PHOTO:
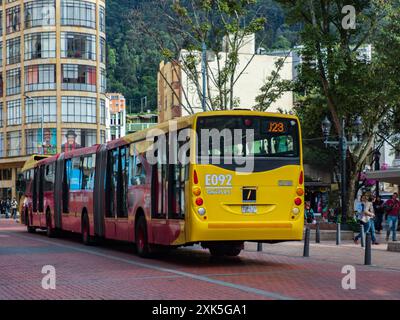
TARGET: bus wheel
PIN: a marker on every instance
(28, 227)
(85, 230)
(233, 251)
(141, 239)
(217, 251)
(50, 231)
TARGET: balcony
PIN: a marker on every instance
(135, 127)
(396, 163)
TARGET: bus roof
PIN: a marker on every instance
(33, 160)
(187, 121)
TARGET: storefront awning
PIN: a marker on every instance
(389, 176)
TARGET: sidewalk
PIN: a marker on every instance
(328, 251)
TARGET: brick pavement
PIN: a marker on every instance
(112, 271)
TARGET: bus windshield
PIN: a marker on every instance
(244, 136)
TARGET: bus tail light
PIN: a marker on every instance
(199, 201)
(298, 202)
(195, 177)
(296, 211)
(300, 192)
(201, 211)
(301, 178)
(196, 191)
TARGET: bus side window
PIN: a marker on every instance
(65, 185)
(88, 171)
(75, 177)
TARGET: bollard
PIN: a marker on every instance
(306, 252)
(259, 247)
(318, 234)
(362, 236)
(368, 250)
(338, 234)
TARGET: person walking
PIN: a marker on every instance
(365, 214)
(8, 207)
(379, 213)
(392, 208)
(14, 205)
(309, 213)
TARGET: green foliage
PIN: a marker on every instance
(133, 56)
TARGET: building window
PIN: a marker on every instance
(1, 52)
(40, 13)
(1, 145)
(73, 139)
(33, 109)
(13, 82)
(1, 84)
(78, 77)
(1, 114)
(78, 46)
(14, 113)
(103, 80)
(14, 50)
(102, 50)
(79, 109)
(36, 145)
(5, 174)
(78, 13)
(40, 45)
(13, 143)
(1, 23)
(102, 112)
(40, 77)
(102, 17)
(13, 19)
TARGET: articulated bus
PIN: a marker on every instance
(178, 184)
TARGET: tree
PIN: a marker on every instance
(216, 23)
(349, 83)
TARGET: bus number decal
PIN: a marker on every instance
(214, 180)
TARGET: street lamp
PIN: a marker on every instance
(42, 119)
(343, 145)
(377, 158)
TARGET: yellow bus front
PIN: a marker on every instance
(247, 183)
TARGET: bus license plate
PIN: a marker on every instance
(249, 209)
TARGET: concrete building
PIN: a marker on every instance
(117, 116)
(142, 121)
(177, 93)
(52, 81)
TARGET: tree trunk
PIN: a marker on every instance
(351, 194)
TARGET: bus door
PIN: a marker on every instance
(75, 190)
(34, 217)
(116, 221)
(42, 216)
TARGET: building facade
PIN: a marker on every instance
(178, 95)
(52, 82)
(116, 109)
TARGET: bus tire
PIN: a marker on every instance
(86, 230)
(141, 238)
(28, 226)
(233, 251)
(217, 251)
(50, 231)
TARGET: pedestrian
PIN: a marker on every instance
(379, 212)
(14, 205)
(365, 215)
(392, 208)
(309, 213)
(8, 207)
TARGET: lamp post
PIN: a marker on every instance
(377, 158)
(41, 123)
(343, 144)
(204, 74)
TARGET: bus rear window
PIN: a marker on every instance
(260, 137)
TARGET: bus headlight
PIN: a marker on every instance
(201, 211)
(296, 211)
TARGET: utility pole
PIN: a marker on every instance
(204, 75)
